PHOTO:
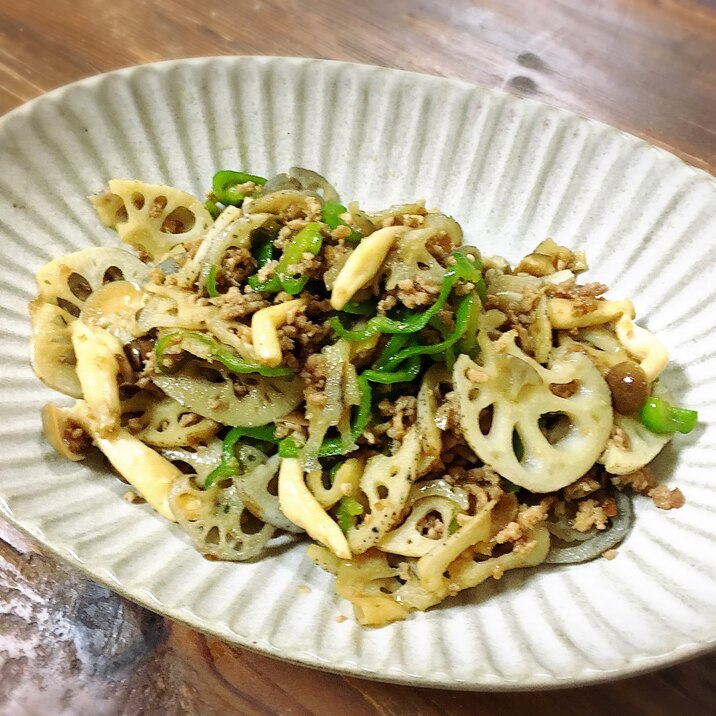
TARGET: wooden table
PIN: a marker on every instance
(646, 66)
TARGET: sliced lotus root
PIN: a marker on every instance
(217, 521)
(63, 287)
(386, 485)
(151, 217)
(508, 403)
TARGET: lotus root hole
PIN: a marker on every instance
(179, 221)
(79, 286)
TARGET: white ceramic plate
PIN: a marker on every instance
(512, 172)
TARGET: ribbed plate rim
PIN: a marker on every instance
(588, 675)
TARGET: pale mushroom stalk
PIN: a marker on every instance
(302, 508)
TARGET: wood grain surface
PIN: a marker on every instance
(68, 646)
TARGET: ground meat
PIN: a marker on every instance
(236, 266)
(237, 304)
(75, 437)
(186, 420)
(581, 488)
(316, 306)
(314, 209)
(564, 390)
(510, 533)
(341, 232)
(294, 425)
(309, 264)
(135, 425)
(620, 438)
(530, 516)
(299, 332)
(386, 304)
(266, 272)
(284, 234)
(666, 499)
(477, 375)
(570, 289)
(296, 225)
(584, 296)
(431, 526)
(413, 293)
(640, 481)
(402, 414)
(440, 246)
(590, 513)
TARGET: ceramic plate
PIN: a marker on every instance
(512, 172)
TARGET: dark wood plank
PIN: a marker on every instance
(646, 66)
(65, 641)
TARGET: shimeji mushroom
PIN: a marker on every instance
(501, 414)
(300, 506)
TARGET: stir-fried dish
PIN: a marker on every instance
(270, 362)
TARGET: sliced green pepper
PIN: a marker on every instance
(211, 282)
(335, 446)
(213, 351)
(348, 509)
(307, 240)
(462, 269)
(462, 319)
(331, 216)
(364, 308)
(660, 417)
(468, 343)
(213, 208)
(229, 465)
(392, 348)
(225, 185)
(263, 251)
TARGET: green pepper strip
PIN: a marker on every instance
(215, 351)
(307, 240)
(213, 208)
(468, 343)
(463, 269)
(229, 465)
(462, 320)
(364, 308)
(331, 216)
(334, 446)
(660, 417)
(348, 509)
(224, 186)
(264, 251)
(211, 282)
